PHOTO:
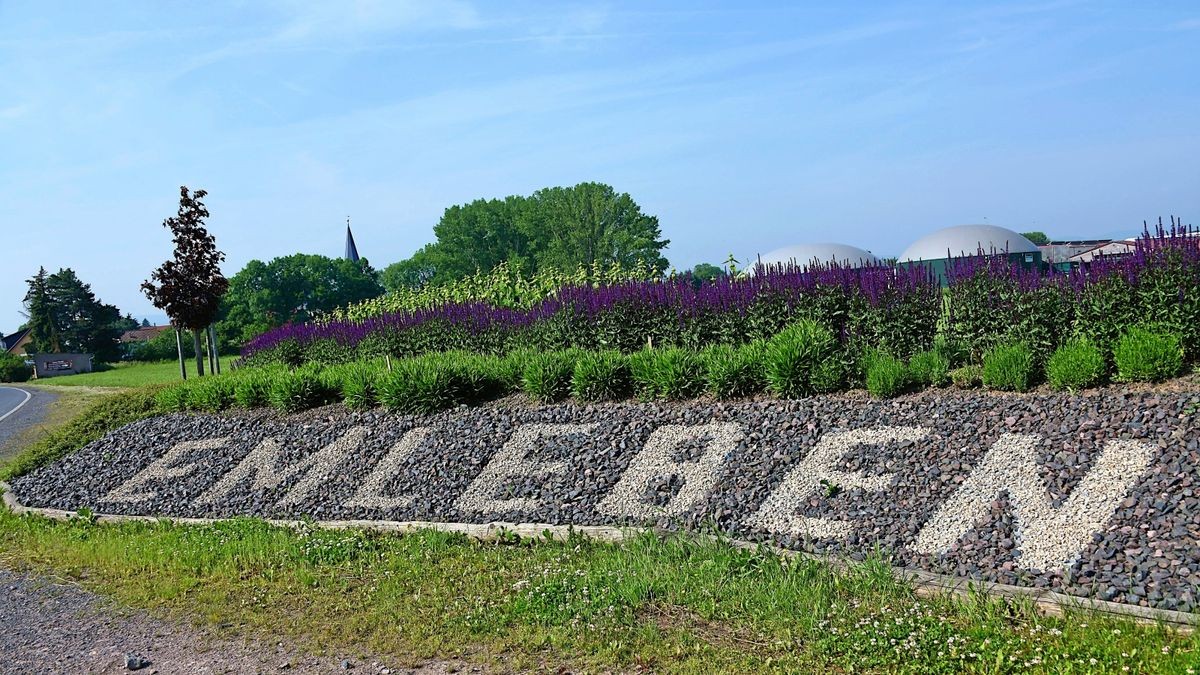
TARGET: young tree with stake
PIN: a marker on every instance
(190, 285)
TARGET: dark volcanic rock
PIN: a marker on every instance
(1147, 552)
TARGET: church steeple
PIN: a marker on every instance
(351, 249)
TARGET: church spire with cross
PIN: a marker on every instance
(351, 249)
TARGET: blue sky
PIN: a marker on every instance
(743, 126)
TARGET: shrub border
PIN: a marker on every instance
(925, 584)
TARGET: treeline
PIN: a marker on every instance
(551, 234)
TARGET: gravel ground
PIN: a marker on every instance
(29, 414)
(1106, 483)
(55, 628)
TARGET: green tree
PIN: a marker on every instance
(66, 317)
(559, 227)
(1038, 238)
(707, 272)
(589, 224)
(479, 236)
(412, 273)
(292, 288)
(39, 310)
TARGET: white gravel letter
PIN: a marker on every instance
(164, 468)
(261, 467)
(778, 512)
(628, 496)
(372, 493)
(511, 461)
(1048, 538)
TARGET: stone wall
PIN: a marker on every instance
(1090, 495)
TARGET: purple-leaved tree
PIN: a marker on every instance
(189, 286)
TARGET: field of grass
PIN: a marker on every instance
(123, 375)
(677, 604)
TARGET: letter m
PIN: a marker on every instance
(1048, 537)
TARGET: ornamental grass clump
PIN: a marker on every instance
(735, 372)
(547, 376)
(602, 376)
(886, 376)
(1145, 355)
(360, 386)
(211, 394)
(1075, 365)
(299, 389)
(252, 389)
(1009, 367)
(421, 386)
(929, 369)
(671, 373)
(174, 398)
(803, 360)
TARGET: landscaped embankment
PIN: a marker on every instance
(1092, 496)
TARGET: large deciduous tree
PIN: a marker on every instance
(560, 227)
(592, 224)
(189, 286)
(293, 288)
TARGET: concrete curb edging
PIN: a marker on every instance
(925, 584)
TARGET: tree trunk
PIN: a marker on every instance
(212, 368)
(199, 354)
(212, 340)
(179, 350)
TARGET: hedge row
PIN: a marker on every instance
(802, 360)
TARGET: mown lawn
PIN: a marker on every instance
(123, 375)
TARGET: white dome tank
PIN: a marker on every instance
(824, 253)
(964, 240)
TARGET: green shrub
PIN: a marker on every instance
(13, 368)
(803, 360)
(1143, 355)
(601, 376)
(886, 376)
(174, 398)
(953, 351)
(967, 377)
(1076, 365)
(211, 394)
(672, 373)
(300, 389)
(360, 386)
(1009, 367)
(929, 369)
(421, 386)
(547, 376)
(735, 372)
(253, 387)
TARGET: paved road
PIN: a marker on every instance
(55, 628)
(20, 411)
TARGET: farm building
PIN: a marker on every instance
(938, 248)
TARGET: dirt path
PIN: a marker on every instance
(48, 627)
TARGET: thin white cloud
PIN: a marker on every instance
(1186, 24)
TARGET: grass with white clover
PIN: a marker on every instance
(672, 604)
